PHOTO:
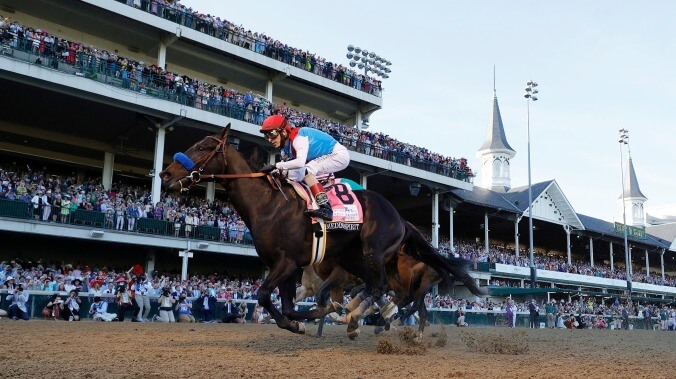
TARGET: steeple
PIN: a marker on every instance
(495, 135)
(495, 153)
(633, 197)
(631, 188)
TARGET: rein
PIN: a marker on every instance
(196, 176)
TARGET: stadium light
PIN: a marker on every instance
(531, 91)
(624, 140)
(369, 61)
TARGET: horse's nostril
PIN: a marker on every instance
(165, 175)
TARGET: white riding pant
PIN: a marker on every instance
(336, 161)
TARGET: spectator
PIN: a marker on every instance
(550, 309)
(99, 310)
(142, 288)
(123, 300)
(52, 309)
(133, 213)
(166, 302)
(184, 308)
(647, 318)
(65, 209)
(460, 320)
(571, 322)
(533, 311)
(207, 303)
(511, 313)
(625, 317)
(18, 308)
(232, 313)
(70, 308)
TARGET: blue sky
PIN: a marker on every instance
(601, 66)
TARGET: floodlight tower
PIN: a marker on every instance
(531, 91)
(370, 62)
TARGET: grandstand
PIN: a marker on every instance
(167, 79)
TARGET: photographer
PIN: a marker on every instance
(166, 301)
(124, 303)
(52, 310)
(18, 308)
(99, 310)
(141, 289)
(70, 308)
(184, 308)
(207, 303)
(232, 313)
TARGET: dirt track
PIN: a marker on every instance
(92, 349)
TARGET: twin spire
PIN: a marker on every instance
(495, 155)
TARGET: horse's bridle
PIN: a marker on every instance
(196, 176)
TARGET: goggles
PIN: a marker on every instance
(272, 134)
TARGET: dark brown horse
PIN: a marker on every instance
(282, 233)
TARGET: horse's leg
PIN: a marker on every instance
(361, 304)
(280, 275)
(422, 312)
(337, 296)
(335, 279)
(308, 284)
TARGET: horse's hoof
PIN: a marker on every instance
(300, 327)
(353, 334)
(337, 307)
(379, 329)
(388, 326)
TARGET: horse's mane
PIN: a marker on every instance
(255, 157)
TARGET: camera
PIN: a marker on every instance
(166, 293)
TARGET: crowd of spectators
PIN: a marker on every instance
(196, 298)
(475, 252)
(55, 198)
(250, 107)
(257, 42)
(581, 313)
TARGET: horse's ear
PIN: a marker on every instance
(226, 131)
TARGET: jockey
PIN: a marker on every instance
(306, 153)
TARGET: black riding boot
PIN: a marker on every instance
(324, 210)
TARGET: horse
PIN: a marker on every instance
(409, 279)
(282, 233)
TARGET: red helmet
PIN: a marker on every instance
(274, 122)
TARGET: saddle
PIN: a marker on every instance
(347, 211)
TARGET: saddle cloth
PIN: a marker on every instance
(347, 211)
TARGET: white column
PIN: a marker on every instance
(486, 232)
(567, 229)
(647, 264)
(435, 220)
(158, 164)
(150, 262)
(107, 175)
(161, 54)
(662, 263)
(211, 191)
(451, 236)
(268, 91)
(185, 254)
(612, 263)
(516, 236)
(591, 251)
(363, 180)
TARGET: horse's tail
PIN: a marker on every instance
(418, 248)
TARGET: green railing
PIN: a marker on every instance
(15, 209)
(81, 217)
